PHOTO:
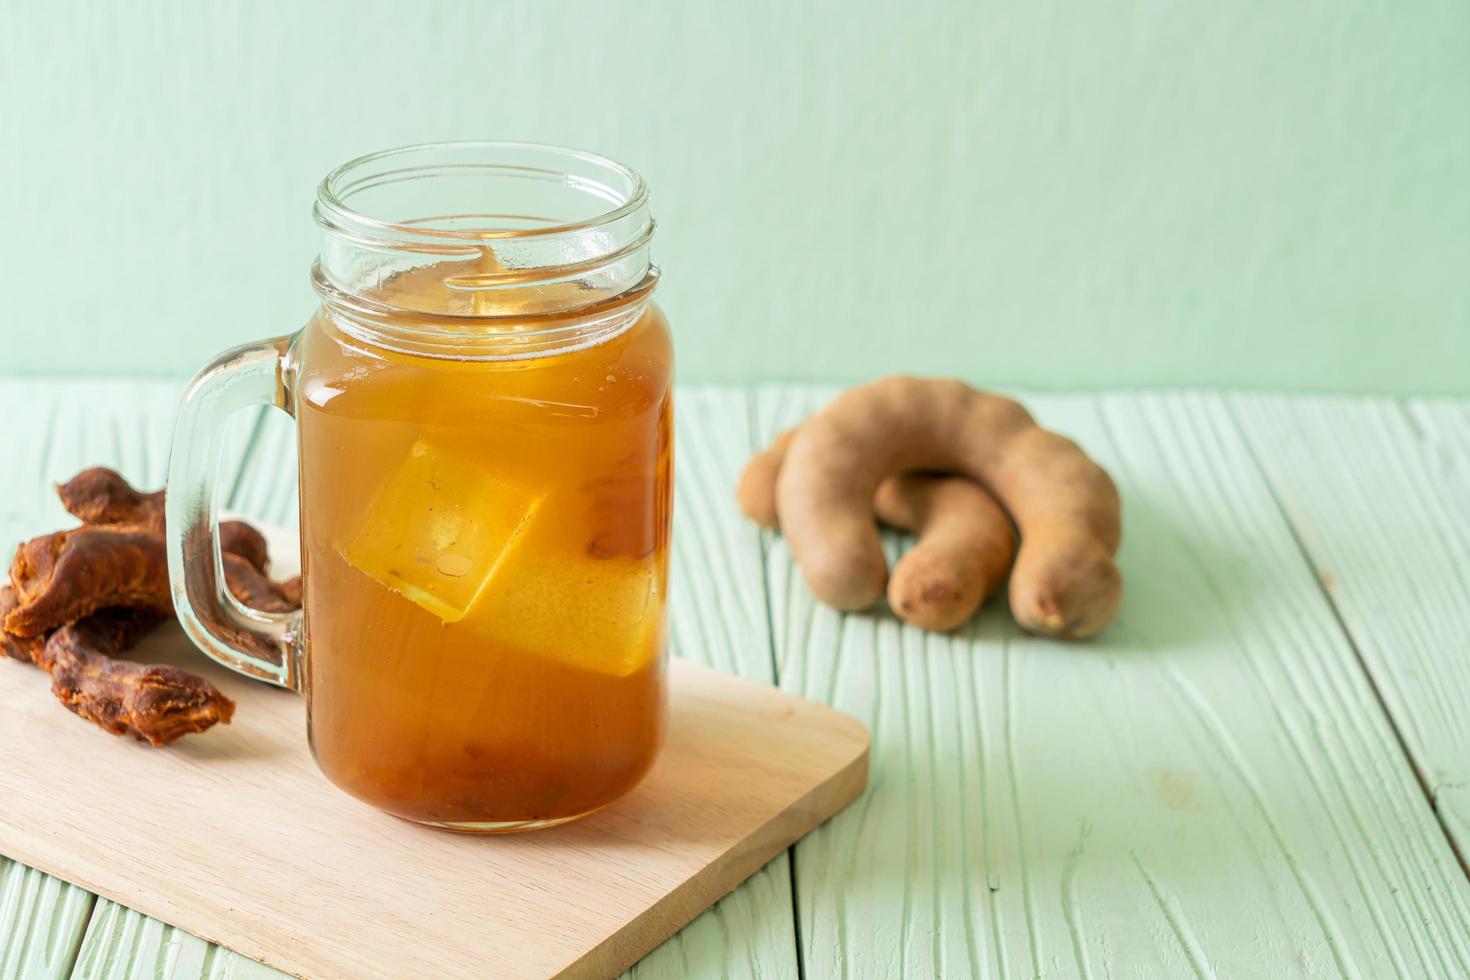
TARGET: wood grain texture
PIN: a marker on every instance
(276, 863)
(1379, 494)
(125, 945)
(41, 923)
(718, 617)
(1208, 789)
(53, 429)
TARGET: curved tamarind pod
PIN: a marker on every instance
(1066, 507)
(289, 591)
(964, 549)
(154, 703)
(60, 578)
(245, 540)
(966, 542)
(251, 586)
(756, 491)
(99, 495)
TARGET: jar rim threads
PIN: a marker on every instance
(538, 245)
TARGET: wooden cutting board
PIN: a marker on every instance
(235, 836)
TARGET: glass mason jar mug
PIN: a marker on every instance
(483, 407)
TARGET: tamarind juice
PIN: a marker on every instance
(485, 547)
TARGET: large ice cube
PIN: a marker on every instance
(440, 528)
(594, 614)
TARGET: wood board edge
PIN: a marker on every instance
(660, 921)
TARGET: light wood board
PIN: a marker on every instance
(235, 836)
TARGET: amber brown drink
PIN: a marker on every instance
(484, 418)
(486, 547)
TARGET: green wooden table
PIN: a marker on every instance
(1261, 770)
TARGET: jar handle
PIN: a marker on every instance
(259, 644)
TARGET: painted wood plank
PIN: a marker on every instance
(1379, 494)
(265, 488)
(41, 923)
(125, 945)
(718, 617)
(1209, 789)
(57, 427)
(54, 429)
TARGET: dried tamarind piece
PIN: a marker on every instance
(22, 648)
(64, 576)
(254, 589)
(101, 496)
(59, 578)
(155, 703)
(78, 597)
(290, 591)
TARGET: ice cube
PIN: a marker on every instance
(439, 529)
(596, 614)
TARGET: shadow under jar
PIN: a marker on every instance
(484, 413)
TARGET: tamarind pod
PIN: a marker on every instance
(756, 491)
(289, 592)
(22, 648)
(965, 546)
(156, 703)
(1065, 506)
(61, 577)
(99, 495)
(245, 540)
(251, 586)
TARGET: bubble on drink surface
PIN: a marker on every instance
(454, 565)
(441, 528)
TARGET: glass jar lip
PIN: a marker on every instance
(331, 210)
(364, 308)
